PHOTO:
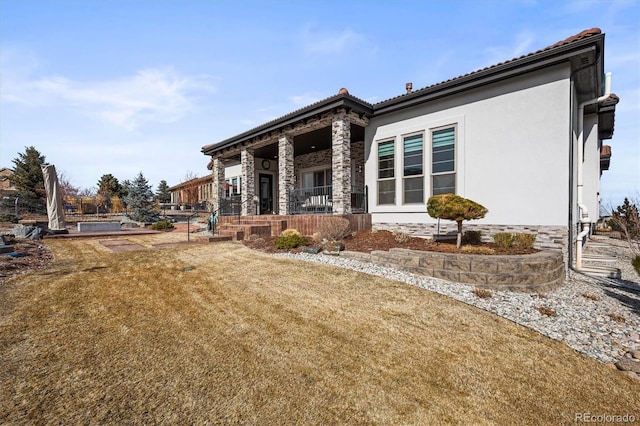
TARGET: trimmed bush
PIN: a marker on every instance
(401, 237)
(162, 225)
(291, 231)
(524, 241)
(472, 237)
(334, 228)
(453, 207)
(503, 239)
(290, 241)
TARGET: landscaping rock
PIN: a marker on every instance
(628, 364)
(312, 250)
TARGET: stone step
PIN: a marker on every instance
(247, 229)
(602, 271)
(234, 234)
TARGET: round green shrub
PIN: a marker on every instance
(290, 241)
(162, 225)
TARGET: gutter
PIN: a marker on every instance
(584, 213)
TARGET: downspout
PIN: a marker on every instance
(584, 213)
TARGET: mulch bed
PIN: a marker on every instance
(34, 256)
(368, 241)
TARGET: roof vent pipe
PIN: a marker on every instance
(409, 87)
(607, 84)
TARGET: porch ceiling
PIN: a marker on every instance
(319, 139)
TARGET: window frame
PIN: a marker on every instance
(422, 175)
(453, 172)
(393, 178)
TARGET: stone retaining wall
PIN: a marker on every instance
(531, 273)
(547, 237)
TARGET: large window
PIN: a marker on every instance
(386, 173)
(233, 186)
(443, 166)
(413, 179)
(316, 178)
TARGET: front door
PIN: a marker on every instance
(266, 194)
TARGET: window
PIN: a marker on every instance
(316, 178)
(233, 186)
(386, 173)
(443, 176)
(413, 181)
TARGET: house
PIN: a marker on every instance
(7, 186)
(522, 137)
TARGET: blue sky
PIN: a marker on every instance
(127, 86)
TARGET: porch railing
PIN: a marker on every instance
(319, 200)
(230, 206)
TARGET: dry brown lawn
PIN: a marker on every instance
(222, 334)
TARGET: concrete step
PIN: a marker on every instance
(598, 258)
(602, 271)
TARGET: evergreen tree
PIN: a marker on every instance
(625, 219)
(162, 193)
(140, 200)
(27, 175)
(108, 187)
(453, 207)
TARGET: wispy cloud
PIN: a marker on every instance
(150, 95)
(330, 42)
(521, 44)
(304, 99)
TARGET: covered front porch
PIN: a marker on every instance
(305, 163)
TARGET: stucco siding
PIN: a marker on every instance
(591, 167)
(512, 149)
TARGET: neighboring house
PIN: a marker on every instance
(7, 187)
(523, 138)
(192, 193)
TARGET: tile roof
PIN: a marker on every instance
(580, 36)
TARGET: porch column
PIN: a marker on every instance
(248, 173)
(341, 162)
(218, 183)
(286, 174)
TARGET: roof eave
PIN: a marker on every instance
(338, 101)
(492, 74)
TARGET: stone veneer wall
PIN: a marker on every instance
(547, 237)
(324, 157)
(538, 272)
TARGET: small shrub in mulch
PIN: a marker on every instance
(473, 238)
(334, 228)
(503, 240)
(477, 250)
(162, 225)
(524, 241)
(290, 241)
